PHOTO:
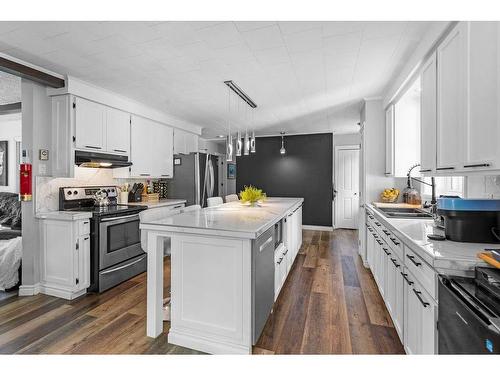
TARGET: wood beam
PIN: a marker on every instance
(7, 109)
(27, 72)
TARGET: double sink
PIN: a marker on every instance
(404, 213)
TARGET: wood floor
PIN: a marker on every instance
(329, 304)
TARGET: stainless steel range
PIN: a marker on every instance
(115, 249)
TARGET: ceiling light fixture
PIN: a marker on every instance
(252, 143)
(229, 139)
(233, 86)
(239, 144)
(282, 149)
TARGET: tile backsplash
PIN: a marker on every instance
(47, 188)
(483, 187)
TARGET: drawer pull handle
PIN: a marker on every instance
(395, 242)
(405, 276)
(280, 260)
(425, 170)
(86, 238)
(417, 293)
(118, 150)
(386, 232)
(394, 262)
(477, 165)
(375, 236)
(379, 242)
(386, 251)
(285, 252)
(370, 216)
(444, 168)
(370, 229)
(85, 222)
(144, 174)
(412, 258)
(93, 147)
(378, 224)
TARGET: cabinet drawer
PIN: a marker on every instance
(394, 243)
(424, 274)
(83, 227)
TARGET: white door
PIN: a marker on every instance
(346, 186)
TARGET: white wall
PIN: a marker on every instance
(11, 131)
(36, 134)
(346, 139)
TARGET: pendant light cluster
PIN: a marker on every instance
(244, 145)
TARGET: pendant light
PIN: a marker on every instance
(252, 143)
(239, 144)
(229, 140)
(246, 141)
(282, 149)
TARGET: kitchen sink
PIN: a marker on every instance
(404, 213)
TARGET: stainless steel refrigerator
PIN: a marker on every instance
(196, 178)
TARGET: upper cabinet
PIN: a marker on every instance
(90, 125)
(428, 116)
(389, 141)
(462, 115)
(100, 128)
(451, 98)
(117, 131)
(185, 142)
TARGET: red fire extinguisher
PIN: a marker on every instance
(25, 183)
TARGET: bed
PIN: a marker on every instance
(10, 240)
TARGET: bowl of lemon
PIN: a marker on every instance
(389, 195)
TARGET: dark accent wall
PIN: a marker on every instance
(305, 171)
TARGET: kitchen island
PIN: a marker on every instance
(221, 259)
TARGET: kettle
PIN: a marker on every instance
(101, 198)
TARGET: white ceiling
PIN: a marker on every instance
(304, 76)
(10, 88)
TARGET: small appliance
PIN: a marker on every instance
(470, 220)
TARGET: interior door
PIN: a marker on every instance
(347, 187)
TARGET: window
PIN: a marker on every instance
(444, 186)
(407, 130)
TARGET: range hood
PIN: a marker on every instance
(89, 159)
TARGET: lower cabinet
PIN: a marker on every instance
(405, 287)
(420, 318)
(65, 257)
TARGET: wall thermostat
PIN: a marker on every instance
(43, 154)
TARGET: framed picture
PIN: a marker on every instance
(4, 163)
(231, 171)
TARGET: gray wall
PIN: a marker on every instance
(36, 134)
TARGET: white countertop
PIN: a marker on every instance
(444, 256)
(160, 203)
(230, 219)
(64, 215)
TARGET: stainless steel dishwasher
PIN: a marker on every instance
(262, 281)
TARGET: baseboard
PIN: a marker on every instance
(29, 290)
(61, 293)
(317, 227)
(206, 345)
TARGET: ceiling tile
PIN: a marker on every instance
(304, 40)
(220, 35)
(252, 25)
(290, 27)
(272, 56)
(264, 38)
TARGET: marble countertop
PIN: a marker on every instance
(444, 256)
(229, 220)
(160, 203)
(64, 215)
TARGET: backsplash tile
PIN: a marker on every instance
(483, 187)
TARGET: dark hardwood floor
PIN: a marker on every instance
(328, 305)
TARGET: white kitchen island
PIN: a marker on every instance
(214, 280)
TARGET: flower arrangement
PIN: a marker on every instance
(252, 195)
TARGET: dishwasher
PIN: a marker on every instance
(262, 281)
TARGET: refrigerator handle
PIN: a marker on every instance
(212, 179)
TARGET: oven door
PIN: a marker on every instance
(119, 240)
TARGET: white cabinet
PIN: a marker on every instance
(482, 128)
(65, 256)
(117, 131)
(389, 141)
(90, 125)
(428, 108)
(185, 142)
(394, 290)
(151, 150)
(419, 318)
(451, 98)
